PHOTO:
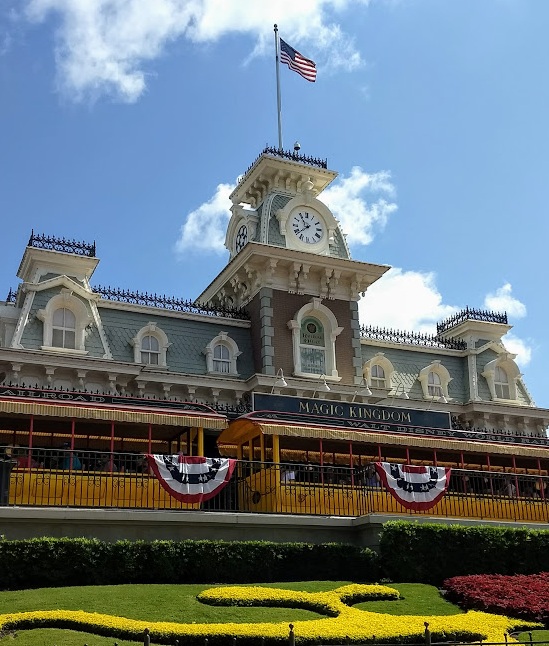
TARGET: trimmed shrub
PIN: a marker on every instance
(430, 552)
(53, 562)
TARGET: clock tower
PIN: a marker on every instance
(290, 267)
(276, 203)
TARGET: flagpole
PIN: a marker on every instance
(278, 102)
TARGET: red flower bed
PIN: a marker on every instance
(521, 595)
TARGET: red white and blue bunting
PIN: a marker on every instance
(417, 488)
(191, 479)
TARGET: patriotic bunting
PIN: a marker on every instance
(417, 488)
(191, 479)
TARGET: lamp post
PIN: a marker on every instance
(279, 382)
(367, 392)
(322, 387)
(404, 393)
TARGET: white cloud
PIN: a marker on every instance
(205, 227)
(503, 301)
(410, 300)
(404, 300)
(519, 347)
(103, 45)
(347, 200)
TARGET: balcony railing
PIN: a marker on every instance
(471, 314)
(52, 243)
(60, 477)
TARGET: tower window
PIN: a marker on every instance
(312, 347)
(64, 329)
(501, 384)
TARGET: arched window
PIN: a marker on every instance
(501, 384)
(221, 355)
(221, 358)
(63, 329)
(434, 385)
(377, 371)
(312, 347)
(377, 376)
(150, 350)
(434, 380)
(314, 333)
(150, 346)
(65, 320)
(502, 375)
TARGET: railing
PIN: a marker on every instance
(60, 477)
(411, 338)
(168, 302)
(288, 154)
(426, 641)
(41, 241)
(12, 296)
(471, 314)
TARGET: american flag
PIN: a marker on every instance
(296, 62)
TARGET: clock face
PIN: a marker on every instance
(241, 237)
(307, 226)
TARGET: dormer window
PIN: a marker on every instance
(434, 380)
(65, 320)
(434, 385)
(377, 376)
(377, 371)
(150, 350)
(502, 375)
(63, 329)
(221, 358)
(501, 384)
(150, 346)
(221, 355)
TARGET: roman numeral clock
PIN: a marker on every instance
(307, 226)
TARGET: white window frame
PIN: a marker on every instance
(379, 359)
(225, 340)
(83, 319)
(442, 373)
(501, 383)
(151, 351)
(67, 328)
(314, 309)
(151, 329)
(506, 363)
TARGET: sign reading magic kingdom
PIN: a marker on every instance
(349, 415)
(46, 396)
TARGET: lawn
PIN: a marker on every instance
(178, 603)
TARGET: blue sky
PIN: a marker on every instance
(128, 122)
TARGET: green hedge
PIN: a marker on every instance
(430, 553)
(51, 562)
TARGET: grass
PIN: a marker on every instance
(178, 603)
(153, 602)
(537, 636)
(418, 599)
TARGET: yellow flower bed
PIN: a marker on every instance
(343, 623)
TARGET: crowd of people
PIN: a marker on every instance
(64, 459)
